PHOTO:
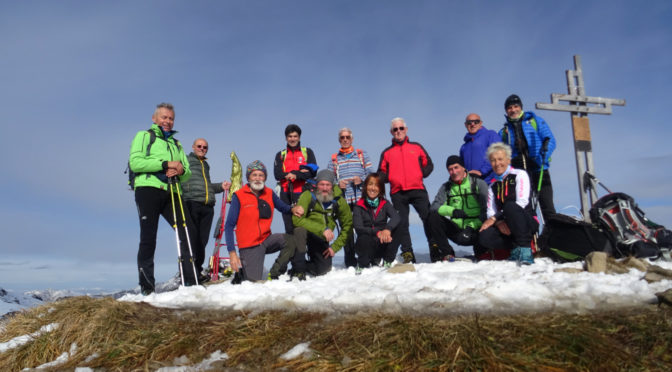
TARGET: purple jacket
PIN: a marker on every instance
(473, 151)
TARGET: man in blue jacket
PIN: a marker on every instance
(476, 142)
(532, 143)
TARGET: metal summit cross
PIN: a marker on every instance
(580, 106)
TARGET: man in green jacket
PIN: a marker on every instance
(154, 163)
(199, 194)
(324, 208)
(457, 212)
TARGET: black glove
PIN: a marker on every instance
(544, 146)
(458, 213)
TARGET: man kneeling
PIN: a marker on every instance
(251, 211)
(323, 209)
(457, 212)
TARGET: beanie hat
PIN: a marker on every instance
(513, 100)
(255, 165)
(452, 159)
(325, 175)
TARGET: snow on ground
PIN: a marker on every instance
(444, 287)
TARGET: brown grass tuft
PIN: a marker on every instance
(136, 336)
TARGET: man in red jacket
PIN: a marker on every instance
(404, 165)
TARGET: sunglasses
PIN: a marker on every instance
(472, 122)
(202, 147)
(345, 137)
(397, 129)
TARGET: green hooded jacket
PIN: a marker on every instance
(318, 220)
(162, 150)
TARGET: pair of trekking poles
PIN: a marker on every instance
(173, 181)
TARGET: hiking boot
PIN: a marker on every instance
(448, 258)
(358, 270)
(147, 291)
(408, 257)
(272, 277)
(526, 257)
(515, 254)
(387, 265)
(300, 276)
(203, 278)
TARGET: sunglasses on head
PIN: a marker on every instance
(397, 129)
(204, 147)
(345, 137)
(474, 122)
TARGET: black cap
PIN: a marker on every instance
(452, 159)
(513, 100)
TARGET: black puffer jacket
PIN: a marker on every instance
(370, 221)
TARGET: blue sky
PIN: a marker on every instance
(79, 78)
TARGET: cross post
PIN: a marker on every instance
(579, 107)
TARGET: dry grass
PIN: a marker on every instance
(132, 336)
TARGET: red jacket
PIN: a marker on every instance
(404, 165)
(252, 230)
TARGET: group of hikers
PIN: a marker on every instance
(488, 201)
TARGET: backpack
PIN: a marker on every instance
(131, 174)
(567, 239)
(618, 214)
(334, 208)
(334, 160)
(283, 155)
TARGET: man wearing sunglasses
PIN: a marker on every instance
(351, 167)
(404, 165)
(199, 195)
(476, 142)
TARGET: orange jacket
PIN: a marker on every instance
(252, 230)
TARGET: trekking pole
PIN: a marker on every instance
(186, 232)
(177, 236)
(214, 260)
(544, 151)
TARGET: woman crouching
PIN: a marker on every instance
(374, 219)
(510, 224)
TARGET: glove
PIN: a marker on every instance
(458, 213)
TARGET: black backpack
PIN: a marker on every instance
(618, 214)
(567, 239)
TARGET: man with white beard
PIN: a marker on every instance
(251, 215)
(324, 208)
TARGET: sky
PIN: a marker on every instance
(80, 78)
(444, 288)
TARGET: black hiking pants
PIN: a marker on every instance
(290, 199)
(441, 229)
(152, 203)
(201, 218)
(402, 201)
(370, 250)
(349, 249)
(545, 194)
(522, 225)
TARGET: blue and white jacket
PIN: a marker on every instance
(535, 130)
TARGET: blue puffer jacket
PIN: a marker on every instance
(473, 150)
(535, 130)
